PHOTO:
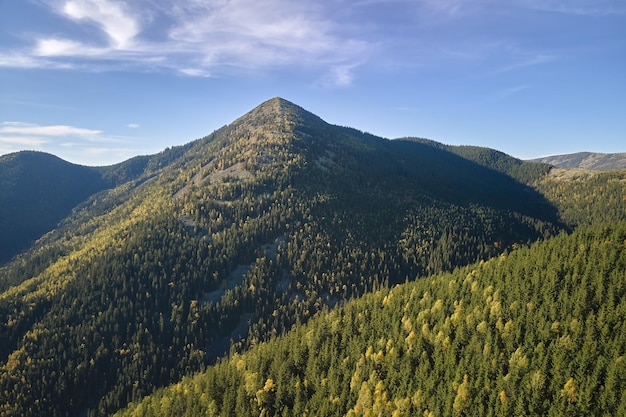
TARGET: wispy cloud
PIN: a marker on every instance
(193, 37)
(68, 142)
(338, 76)
(518, 60)
(54, 130)
(194, 72)
(508, 92)
(53, 47)
(22, 141)
(576, 7)
(31, 59)
(448, 7)
(113, 17)
(329, 39)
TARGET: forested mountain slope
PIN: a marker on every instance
(540, 331)
(581, 196)
(585, 197)
(522, 171)
(237, 236)
(39, 190)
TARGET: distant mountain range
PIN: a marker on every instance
(587, 160)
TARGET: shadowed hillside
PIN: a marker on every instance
(37, 190)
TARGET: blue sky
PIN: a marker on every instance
(98, 81)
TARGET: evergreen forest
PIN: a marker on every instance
(539, 331)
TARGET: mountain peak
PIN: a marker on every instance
(275, 110)
(278, 104)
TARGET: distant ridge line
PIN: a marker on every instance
(587, 160)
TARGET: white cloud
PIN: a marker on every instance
(194, 72)
(112, 17)
(30, 59)
(68, 142)
(260, 33)
(96, 155)
(196, 38)
(343, 75)
(134, 125)
(51, 47)
(22, 141)
(53, 130)
(339, 76)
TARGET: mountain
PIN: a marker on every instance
(587, 160)
(37, 190)
(522, 171)
(231, 240)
